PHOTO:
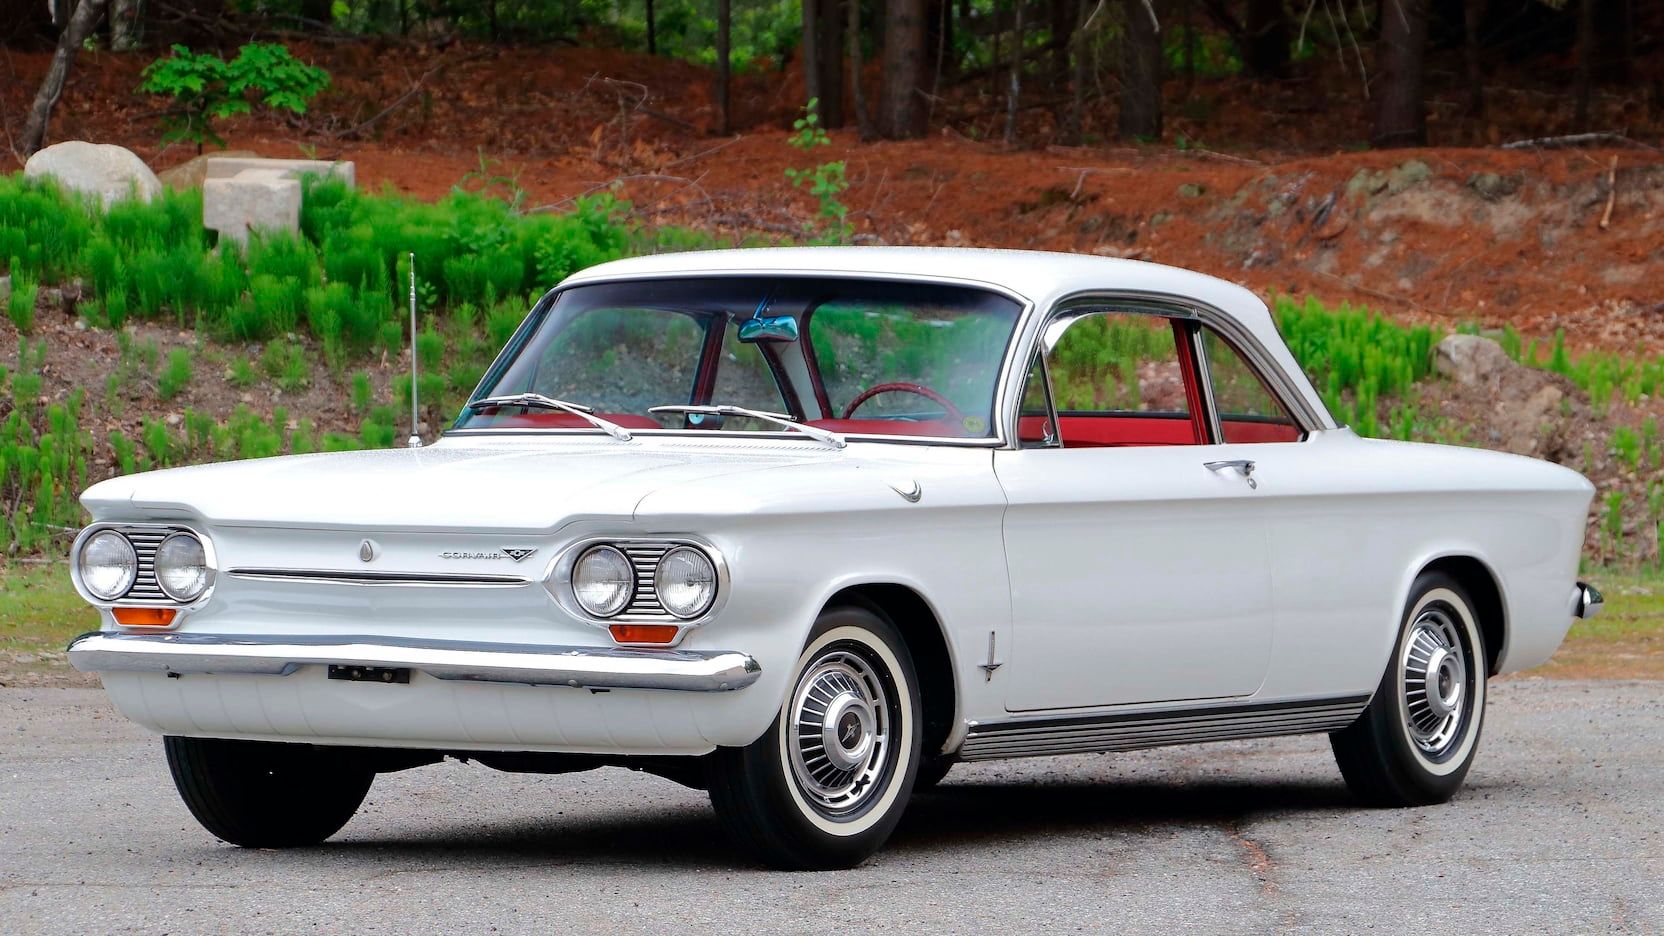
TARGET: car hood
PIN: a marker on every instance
(450, 486)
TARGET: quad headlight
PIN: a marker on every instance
(182, 567)
(107, 564)
(685, 582)
(603, 581)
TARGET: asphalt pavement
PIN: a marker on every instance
(1560, 829)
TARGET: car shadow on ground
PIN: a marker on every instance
(955, 816)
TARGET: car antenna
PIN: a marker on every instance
(415, 440)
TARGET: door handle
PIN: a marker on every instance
(1242, 466)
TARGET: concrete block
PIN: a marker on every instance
(254, 199)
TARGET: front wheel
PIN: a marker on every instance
(824, 787)
(1414, 744)
(261, 794)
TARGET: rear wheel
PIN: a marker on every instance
(825, 786)
(261, 794)
(1414, 744)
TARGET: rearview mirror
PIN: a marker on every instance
(768, 328)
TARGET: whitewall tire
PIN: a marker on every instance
(1414, 744)
(824, 787)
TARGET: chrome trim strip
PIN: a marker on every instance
(522, 664)
(1129, 731)
(337, 577)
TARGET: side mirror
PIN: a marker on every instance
(768, 328)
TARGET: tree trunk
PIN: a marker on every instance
(1060, 16)
(126, 25)
(1140, 116)
(724, 27)
(1265, 53)
(1080, 44)
(811, 49)
(1472, 16)
(652, 34)
(80, 26)
(1015, 88)
(830, 35)
(858, 97)
(1581, 82)
(900, 114)
(1400, 117)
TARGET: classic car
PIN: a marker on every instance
(805, 527)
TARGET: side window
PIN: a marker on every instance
(1116, 379)
(1248, 410)
(1035, 428)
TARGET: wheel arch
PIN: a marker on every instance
(927, 642)
(1485, 588)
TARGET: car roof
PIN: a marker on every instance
(1036, 275)
(1041, 277)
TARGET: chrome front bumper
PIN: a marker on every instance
(522, 664)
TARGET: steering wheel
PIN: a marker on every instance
(901, 387)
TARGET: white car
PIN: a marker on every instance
(805, 527)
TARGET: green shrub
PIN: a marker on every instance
(176, 376)
(208, 88)
(20, 307)
(242, 374)
(361, 391)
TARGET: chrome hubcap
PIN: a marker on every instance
(840, 724)
(1435, 681)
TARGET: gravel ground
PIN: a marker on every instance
(1560, 829)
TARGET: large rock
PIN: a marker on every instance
(190, 173)
(108, 172)
(1471, 360)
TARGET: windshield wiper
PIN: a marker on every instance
(532, 400)
(790, 422)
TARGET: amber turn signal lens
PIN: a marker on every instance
(144, 617)
(644, 633)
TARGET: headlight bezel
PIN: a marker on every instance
(659, 584)
(558, 581)
(633, 577)
(207, 568)
(152, 596)
(78, 562)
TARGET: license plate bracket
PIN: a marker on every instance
(377, 674)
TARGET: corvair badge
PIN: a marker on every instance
(503, 552)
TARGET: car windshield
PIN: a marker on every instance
(854, 356)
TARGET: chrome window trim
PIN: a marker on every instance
(709, 435)
(1204, 386)
(164, 527)
(1000, 439)
(1182, 307)
(557, 580)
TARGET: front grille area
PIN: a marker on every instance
(145, 540)
(645, 605)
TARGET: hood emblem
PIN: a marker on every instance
(367, 551)
(516, 554)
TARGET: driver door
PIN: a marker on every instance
(1138, 572)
